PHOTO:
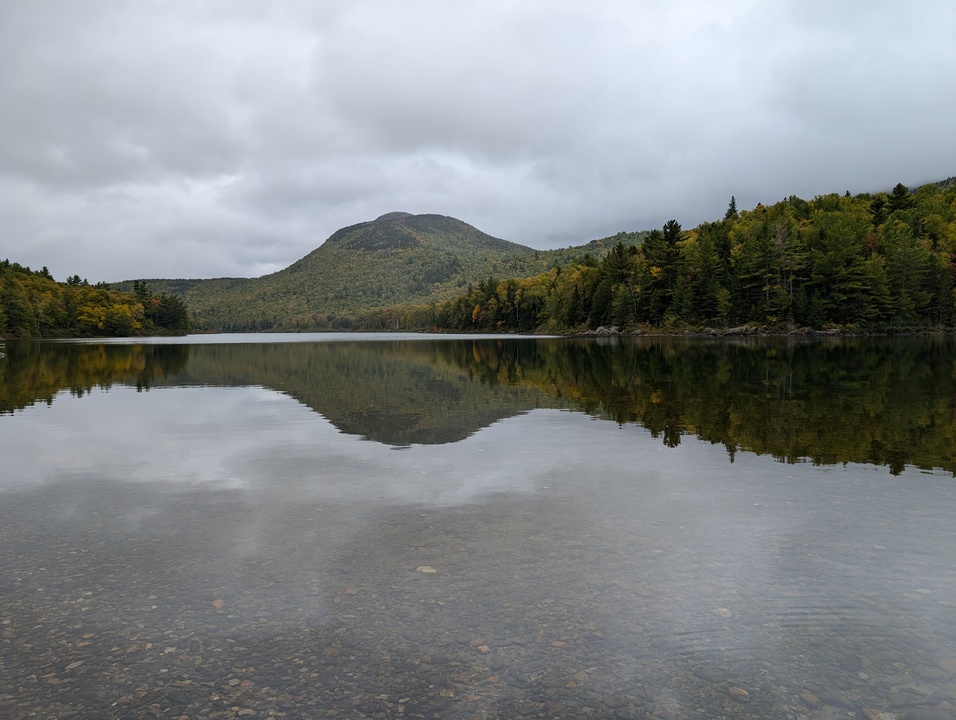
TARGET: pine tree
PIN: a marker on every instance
(900, 198)
(731, 213)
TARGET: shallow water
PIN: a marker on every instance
(474, 546)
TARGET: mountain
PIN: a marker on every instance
(396, 259)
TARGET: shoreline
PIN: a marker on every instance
(599, 332)
(759, 331)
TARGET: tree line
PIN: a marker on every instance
(883, 261)
(34, 305)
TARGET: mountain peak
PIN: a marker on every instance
(404, 231)
(387, 217)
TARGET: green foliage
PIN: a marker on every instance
(33, 305)
(885, 262)
(731, 213)
(900, 198)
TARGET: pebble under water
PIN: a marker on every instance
(549, 566)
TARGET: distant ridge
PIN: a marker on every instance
(397, 259)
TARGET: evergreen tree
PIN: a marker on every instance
(731, 213)
(878, 209)
(659, 271)
(900, 198)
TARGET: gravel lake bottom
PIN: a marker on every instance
(774, 591)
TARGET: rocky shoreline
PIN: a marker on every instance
(755, 331)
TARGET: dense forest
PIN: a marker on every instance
(885, 261)
(34, 305)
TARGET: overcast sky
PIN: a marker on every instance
(230, 138)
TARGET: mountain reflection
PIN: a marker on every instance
(882, 401)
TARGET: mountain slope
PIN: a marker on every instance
(396, 259)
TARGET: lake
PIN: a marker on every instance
(312, 526)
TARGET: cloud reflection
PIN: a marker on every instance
(641, 560)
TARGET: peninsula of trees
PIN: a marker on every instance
(34, 305)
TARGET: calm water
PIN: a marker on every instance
(332, 526)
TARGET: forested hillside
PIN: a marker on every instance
(392, 261)
(885, 261)
(34, 305)
(871, 262)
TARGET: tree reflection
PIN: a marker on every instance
(883, 401)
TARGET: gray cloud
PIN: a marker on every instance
(231, 138)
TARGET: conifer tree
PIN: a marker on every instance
(731, 213)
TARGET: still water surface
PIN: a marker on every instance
(325, 526)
